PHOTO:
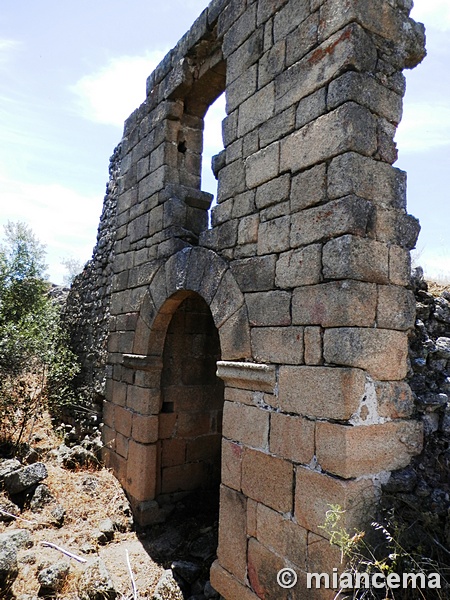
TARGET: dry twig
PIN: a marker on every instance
(5, 512)
(66, 552)
(133, 583)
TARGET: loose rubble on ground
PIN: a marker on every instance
(67, 532)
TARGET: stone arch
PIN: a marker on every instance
(192, 274)
(202, 271)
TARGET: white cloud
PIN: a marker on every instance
(62, 219)
(111, 94)
(434, 13)
(424, 126)
(7, 47)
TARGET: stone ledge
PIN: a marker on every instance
(249, 376)
(142, 362)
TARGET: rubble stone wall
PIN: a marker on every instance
(303, 277)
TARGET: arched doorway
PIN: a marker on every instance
(192, 399)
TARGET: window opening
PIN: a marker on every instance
(212, 145)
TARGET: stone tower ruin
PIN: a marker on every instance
(267, 352)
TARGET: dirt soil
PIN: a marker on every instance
(88, 496)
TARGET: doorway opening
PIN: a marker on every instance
(192, 404)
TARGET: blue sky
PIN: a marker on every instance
(72, 72)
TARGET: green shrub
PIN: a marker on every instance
(36, 364)
(386, 548)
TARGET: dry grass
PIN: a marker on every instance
(88, 497)
(436, 288)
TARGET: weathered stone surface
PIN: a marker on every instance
(8, 465)
(52, 578)
(348, 128)
(322, 392)
(95, 583)
(248, 230)
(269, 308)
(310, 108)
(248, 425)
(232, 548)
(309, 188)
(235, 336)
(399, 266)
(267, 479)
(335, 304)
(352, 257)
(367, 91)
(396, 308)
(292, 438)
(393, 226)
(42, 496)
(255, 274)
(167, 588)
(349, 215)
(24, 478)
(252, 113)
(303, 269)
(227, 300)
(278, 344)
(229, 586)
(374, 180)
(273, 192)
(381, 352)
(395, 399)
(382, 19)
(261, 563)
(363, 450)
(247, 375)
(280, 533)
(8, 565)
(315, 492)
(231, 464)
(8, 510)
(350, 49)
(274, 235)
(313, 345)
(263, 165)
(140, 457)
(19, 538)
(299, 267)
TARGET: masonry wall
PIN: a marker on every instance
(86, 312)
(304, 275)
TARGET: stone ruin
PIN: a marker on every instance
(265, 353)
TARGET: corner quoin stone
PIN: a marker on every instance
(353, 451)
(321, 392)
(381, 352)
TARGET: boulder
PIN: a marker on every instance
(95, 583)
(189, 571)
(18, 538)
(53, 578)
(167, 588)
(41, 497)
(8, 564)
(58, 514)
(6, 506)
(24, 478)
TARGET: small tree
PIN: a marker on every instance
(30, 332)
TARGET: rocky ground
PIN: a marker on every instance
(66, 531)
